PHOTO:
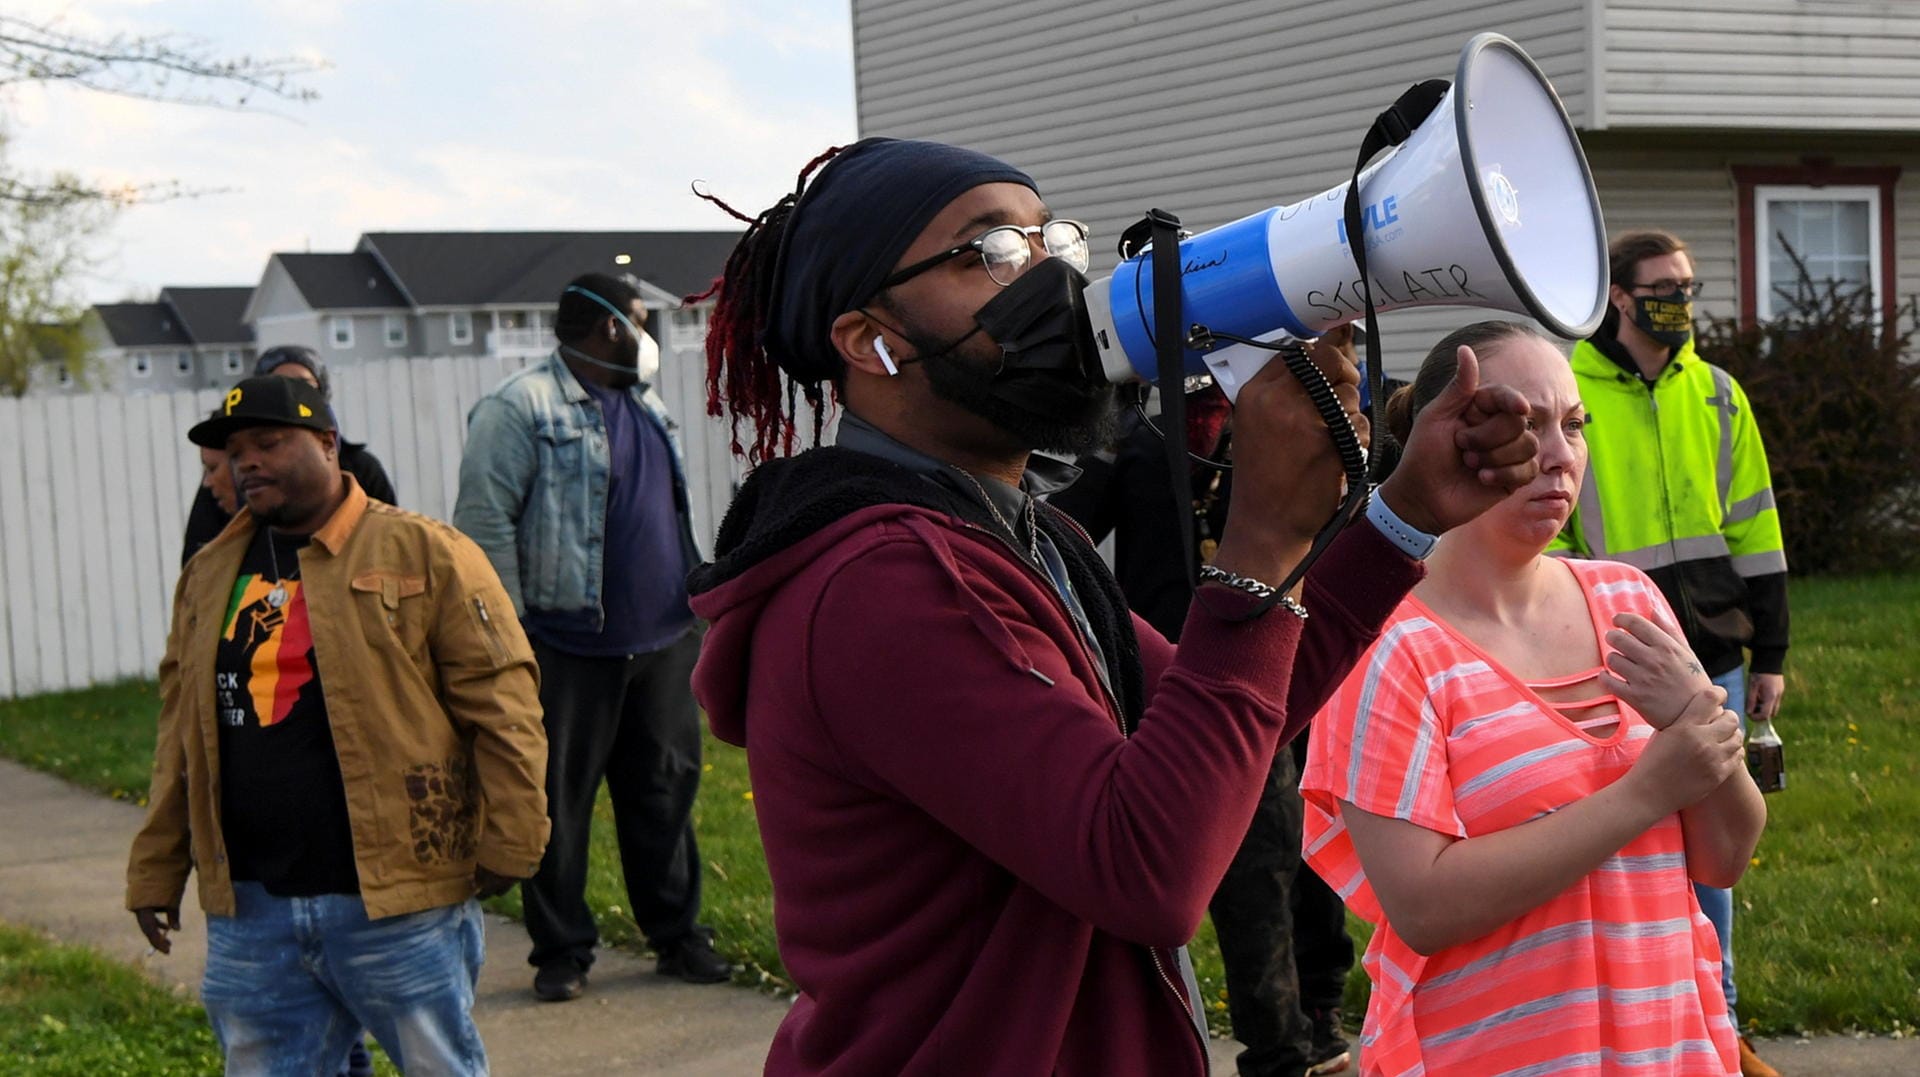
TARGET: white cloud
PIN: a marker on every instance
(509, 114)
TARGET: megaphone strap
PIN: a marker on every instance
(1390, 128)
(1169, 342)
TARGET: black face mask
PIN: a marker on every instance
(1048, 365)
(1668, 319)
(1047, 389)
(1047, 386)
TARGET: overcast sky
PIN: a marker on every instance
(480, 114)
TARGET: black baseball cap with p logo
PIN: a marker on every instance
(263, 401)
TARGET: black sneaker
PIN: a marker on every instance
(559, 981)
(1329, 1052)
(692, 959)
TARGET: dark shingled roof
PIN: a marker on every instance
(477, 268)
(211, 315)
(141, 325)
(341, 281)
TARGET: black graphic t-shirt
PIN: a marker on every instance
(283, 806)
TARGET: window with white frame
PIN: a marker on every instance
(234, 359)
(395, 326)
(142, 364)
(460, 327)
(1835, 231)
(340, 331)
(183, 363)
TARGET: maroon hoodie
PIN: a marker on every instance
(975, 869)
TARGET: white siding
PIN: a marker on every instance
(94, 491)
(1685, 185)
(1825, 64)
(1261, 103)
(1690, 194)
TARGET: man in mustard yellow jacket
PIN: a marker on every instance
(350, 752)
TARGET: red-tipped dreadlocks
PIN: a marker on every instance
(740, 373)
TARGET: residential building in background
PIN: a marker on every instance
(473, 293)
(1738, 124)
(189, 338)
(397, 295)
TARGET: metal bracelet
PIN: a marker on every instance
(1249, 585)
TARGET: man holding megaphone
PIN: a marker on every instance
(994, 804)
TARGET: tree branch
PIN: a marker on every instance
(154, 67)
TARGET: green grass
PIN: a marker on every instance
(101, 738)
(737, 900)
(1828, 934)
(1827, 927)
(67, 1012)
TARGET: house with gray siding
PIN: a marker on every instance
(1742, 125)
(397, 295)
(189, 338)
(343, 306)
(470, 294)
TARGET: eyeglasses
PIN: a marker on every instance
(1668, 287)
(1007, 250)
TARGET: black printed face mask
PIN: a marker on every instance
(1666, 318)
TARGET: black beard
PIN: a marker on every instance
(629, 377)
(960, 380)
(624, 374)
(280, 517)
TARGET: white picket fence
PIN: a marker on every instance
(94, 492)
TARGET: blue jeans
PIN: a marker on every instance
(290, 983)
(1716, 903)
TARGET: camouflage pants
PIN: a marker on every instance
(1283, 933)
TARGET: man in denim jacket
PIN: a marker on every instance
(573, 484)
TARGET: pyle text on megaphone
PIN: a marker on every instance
(1488, 203)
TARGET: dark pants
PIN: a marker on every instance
(632, 721)
(1283, 933)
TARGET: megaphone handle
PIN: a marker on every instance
(1346, 441)
(1170, 341)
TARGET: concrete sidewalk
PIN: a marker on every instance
(63, 857)
(63, 861)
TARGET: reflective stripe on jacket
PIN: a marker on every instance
(1677, 485)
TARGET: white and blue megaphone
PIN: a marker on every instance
(1488, 203)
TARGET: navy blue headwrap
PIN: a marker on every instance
(858, 216)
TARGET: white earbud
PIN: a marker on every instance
(886, 357)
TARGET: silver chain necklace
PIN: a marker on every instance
(277, 597)
(1033, 529)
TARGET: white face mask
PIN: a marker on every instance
(648, 364)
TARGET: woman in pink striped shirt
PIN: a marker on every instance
(1518, 782)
